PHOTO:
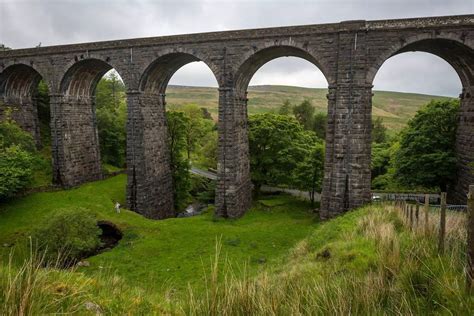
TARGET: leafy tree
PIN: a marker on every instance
(69, 234)
(427, 147)
(207, 152)
(206, 114)
(379, 131)
(11, 134)
(309, 173)
(319, 124)
(17, 158)
(177, 143)
(111, 113)
(16, 170)
(278, 146)
(304, 113)
(380, 159)
(197, 128)
(285, 109)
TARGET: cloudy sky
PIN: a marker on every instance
(25, 23)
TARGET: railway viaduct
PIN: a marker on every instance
(348, 54)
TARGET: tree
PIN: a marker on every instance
(319, 124)
(177, 122)
(278, 146)
(17, 158)
(427, 147)
(309, 173)
(379, 131)
(380, 159)
(111, 113)
(285, 109)
(304, 113)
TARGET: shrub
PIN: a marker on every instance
(16, 167)
(12, 134)
(72, 234)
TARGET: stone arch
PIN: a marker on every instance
(459, 55)
(258, 58)
(156, 76)
(19, 81)
(18, 91)
(81, 77)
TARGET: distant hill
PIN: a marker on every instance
(395, 108)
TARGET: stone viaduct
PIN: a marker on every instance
(349, 54)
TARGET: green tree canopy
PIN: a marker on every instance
(319, 124)
(379, 131)
(177, 144)
(304, 113)
(281, 151)
(111, 113)
(17, 158)
(285, 108)
(427, 147)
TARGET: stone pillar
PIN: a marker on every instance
(24, 112)
(464, 148)
(149, 187)
(347, 179)
(234, 188)
(74, 140)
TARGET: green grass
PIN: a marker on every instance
(395, 108)
(276, 260)
(171, 253)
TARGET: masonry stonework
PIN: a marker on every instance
(349, 54)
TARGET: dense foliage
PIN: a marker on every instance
(17, 158)
(283, 153)
(111, 113)
(177, 144)
(427, 154)
(70, 234)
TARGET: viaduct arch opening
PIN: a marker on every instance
(20, 95)
(234, 183)
(77, 148)
(461, 58)
(150, 163)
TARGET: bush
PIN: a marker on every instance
(71, 234)
(12, 134)
(16, 167)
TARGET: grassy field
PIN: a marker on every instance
(276, 260)
(394, 107)
(168, 254)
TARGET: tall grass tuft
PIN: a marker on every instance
(33, 288)
(380, 266)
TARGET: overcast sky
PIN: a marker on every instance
(25, 23)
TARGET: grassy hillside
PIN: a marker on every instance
(168, 254)
(394, 107)
(276, 260)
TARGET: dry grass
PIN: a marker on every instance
(409, 277)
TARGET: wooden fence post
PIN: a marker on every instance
(427, 209)
(442, 223)
(411, 216)
(470, 240)
(417, 214)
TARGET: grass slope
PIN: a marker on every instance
(164, 256)
(394, 107)
(276, 260)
